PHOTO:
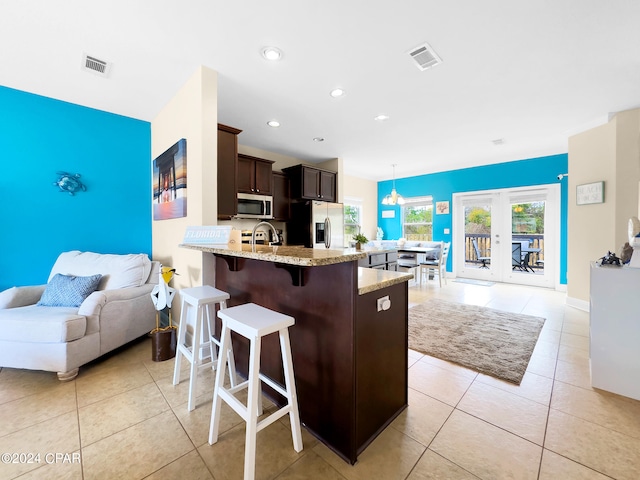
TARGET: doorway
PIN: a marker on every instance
(508, 235)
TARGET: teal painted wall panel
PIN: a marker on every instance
(442, 186)
(40, 136)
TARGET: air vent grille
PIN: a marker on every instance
(95, 65)
(425, 57)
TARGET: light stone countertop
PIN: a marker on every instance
(378, 249)
(372, 279)
(300, 256)
(369, 279)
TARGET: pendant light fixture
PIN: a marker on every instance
(393, 198)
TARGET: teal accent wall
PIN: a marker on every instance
(40, 136)
(442, 186)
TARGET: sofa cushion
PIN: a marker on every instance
(118, 271)
(68, 290)
(42, 324)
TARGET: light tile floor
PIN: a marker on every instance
(122, 417)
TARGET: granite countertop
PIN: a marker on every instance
(370, 250)
(372, 279)
(291, 255)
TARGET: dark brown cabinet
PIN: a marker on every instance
(327, 186)
(281, 197)
(254, 175)
(312, 183)
(227, 171)
(350, 360)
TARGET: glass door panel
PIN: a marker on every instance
(530, 240)
(475, 252)
(527, 232)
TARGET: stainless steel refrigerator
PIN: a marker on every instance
(316, 224)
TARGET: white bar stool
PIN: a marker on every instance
(198, 300)
(254, 322)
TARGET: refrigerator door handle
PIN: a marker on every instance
(327, 232)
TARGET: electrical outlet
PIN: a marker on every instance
(384, 303)
(447, 231)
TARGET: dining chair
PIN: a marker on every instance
(438, 266)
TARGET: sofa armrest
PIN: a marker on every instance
(94, 302)
(21, 296)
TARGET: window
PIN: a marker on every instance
(417, 219)
(352, 218)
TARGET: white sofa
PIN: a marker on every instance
(63, 338)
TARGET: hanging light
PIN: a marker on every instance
(393, 198)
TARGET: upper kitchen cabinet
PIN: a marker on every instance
(254, 175)
(227, 171)
(281, 197)
(312, 183)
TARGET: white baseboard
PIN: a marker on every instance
(577, 303)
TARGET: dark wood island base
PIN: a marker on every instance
(350, 360)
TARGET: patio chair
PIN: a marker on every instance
(517, 260)
(480, 258)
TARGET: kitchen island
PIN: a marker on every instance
(349, 346)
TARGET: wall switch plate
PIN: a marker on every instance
(384, 303)
(447, 231)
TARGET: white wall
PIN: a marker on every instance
(366, 191)
(608, 153)
(190, 114)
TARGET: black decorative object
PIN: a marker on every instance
(610, 259)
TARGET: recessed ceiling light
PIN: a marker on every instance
(337, 92)
(381, 117)
(273, 123)
(272, 53)
(318, 139)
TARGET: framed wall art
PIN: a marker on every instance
(442, 208)
(170, 182)
(590, 193)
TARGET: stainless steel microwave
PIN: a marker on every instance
(255, 206)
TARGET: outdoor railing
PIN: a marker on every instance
(536, 260)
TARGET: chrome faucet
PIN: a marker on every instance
(253, 233)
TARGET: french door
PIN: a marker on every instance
(508, 235)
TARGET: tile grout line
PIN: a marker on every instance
(82, 464)
(553, 386)
(195, 447)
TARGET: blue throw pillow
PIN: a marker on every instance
(68, 290)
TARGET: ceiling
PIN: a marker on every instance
(529, 73)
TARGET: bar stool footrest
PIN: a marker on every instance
(273, 417)
(278, 388)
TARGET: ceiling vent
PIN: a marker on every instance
(95, 66)
(424, 56)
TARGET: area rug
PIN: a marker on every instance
(471, 281)
(488, 341)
